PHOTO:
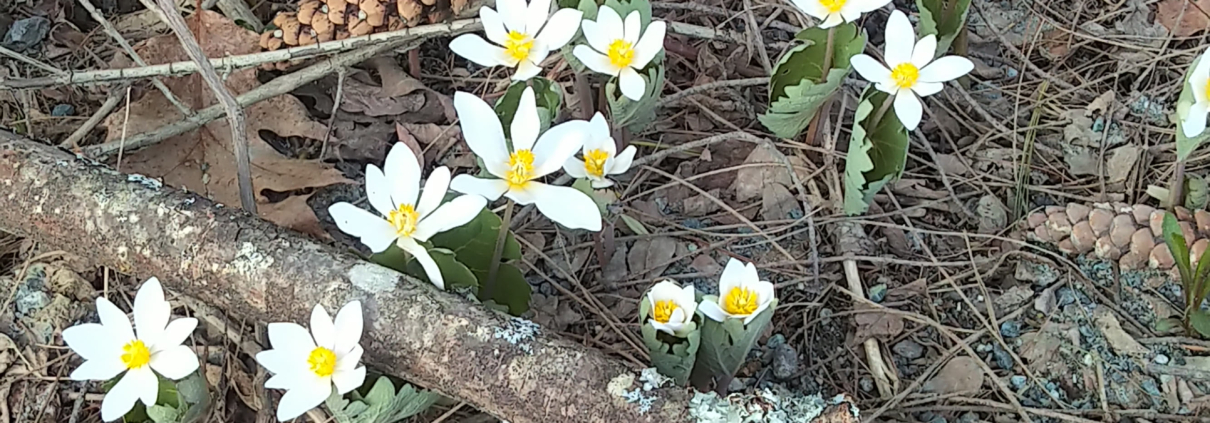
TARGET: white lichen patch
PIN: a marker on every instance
(250, 261)
(518, 332)
(764, 406)
(641, 396)
(652, 379)
(145, 181)
(373, 278)
(620, 384)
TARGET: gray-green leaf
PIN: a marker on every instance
(943, 19)
(798, 87)
(637, 115)
(382, 404)
(725, 345)
(876, 156)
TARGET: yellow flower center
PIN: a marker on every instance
(135, 354)
(322, 361)
(1206, 89)
(741, 301)
(404, 220)
(662, 312)
(621, 53)
(833, 6)
(905, 75)
(518, 45)
(594, 162)
(520, 167)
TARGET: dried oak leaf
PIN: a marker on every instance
(1195, 16)
(202, 161)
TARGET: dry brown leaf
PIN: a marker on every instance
(202, 161)
(906, 292)
(764, 165)
(1195, 16)
(877, 325)
(1121, 342)
(777, 203)
(651, 255)
(705, 263)
(962, 374)
(1040, 350)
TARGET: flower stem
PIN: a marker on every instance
(1175, 192)
(824, 108)
(584, 92)
(827, 57)
(493, 268)
(878, 114)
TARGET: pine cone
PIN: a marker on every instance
(1131, 235)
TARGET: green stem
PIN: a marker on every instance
(827, 57)
(1175, 192)
(493, 268)
(878, 114)
(584, 92)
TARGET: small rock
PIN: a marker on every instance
(1083, 237)
(1067, 247)
(26, 33)
(938, 419)
(968, 417)
(825, 316)
(1018, 381)
(866, 384)
(1121, 229)
(1058, 223)
(1202, 218)
(775, 341)
(785, 362)
(1002, 357)
(1037, 219)
(1106, 249)
(61, 110)
(1183, 213)
(1161, 359)
(1065, 297)
(1010, 329)
(736, 385)
(908, 349)
(878, 292)
(1157, 223)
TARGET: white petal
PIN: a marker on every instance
(925, 89)
(476, 49)
(558, 144)
(285, 362)
(536, 15)
(650, 45)
(900, 39)
(632, 84)
(908, 109)
(670, 328)
(426, 261)
(622, 162)
(610, 24)
(664, 290)
(850, 12)
(1194, 125)
(150, 310)
(525, 126)
(1203, 63)
(597, 62)
(450, 215)
(596, 36)
(1197, 83)
(373, 231)
(403, 172)
(765, 292)
(302, 397)
(282, 381)
(632, 27)
(870, 69)
(121, 398)
(378, 191)
(732, 277)
(349, 360)
(751, 277)
(677, 319)
(435, 189)
(321, 327)
(868, 6)
(174, 363)
(601, 183)
(491, 189)
(688, 300)
(92, 341)
(348, 327)
(575, 168)
(924, 51)
(349, 380)
(560, 28)
(482, 131)
(831, 20)
(526, 70)
(599, 135)
(176, 333)
(101, 368)
(713, 311)
(288, 336)
(115, 321)
(513, 12)
(947, 68)
(566, 206)
(493, 25)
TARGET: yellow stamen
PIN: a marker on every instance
(322, 361)
(135, 354)
(662, 312)
(520, 167)
(594, 162)
(741, 301)
(518, 45)
(621, 53)
(905, 75)
(404, 220)
(1206, 89)
(833, 6)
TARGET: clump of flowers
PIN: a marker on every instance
(621, 49)
(521, 36)
(309, 365)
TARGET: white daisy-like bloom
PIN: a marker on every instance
(407, 216)
(910, 70)
(672, 307)
(1199, 82)
(601, 156)
(621, 49)
(113, 347)
(307, 365)
(834, 12)
(531, 158)
(522, 36)
(742, 295)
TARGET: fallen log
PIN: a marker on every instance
(252, 269)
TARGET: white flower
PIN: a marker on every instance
(911, 71)
(742, 295)
(406, 221)
(672, 307)
(111, 347)
(833, 12)
(618, 50)
(307, 365)
(522, 35)
(528, 161)
(1199, 81)
(601, 156)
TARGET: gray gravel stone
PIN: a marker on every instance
(26, 33)
(785, 362)
(908, 349)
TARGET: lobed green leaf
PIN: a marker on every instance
(876, 156)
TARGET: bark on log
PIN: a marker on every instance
(253, 269)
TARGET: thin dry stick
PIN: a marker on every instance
(235, 113)
(115, 98)
(340, 90)
(122, 141)
(755, 35)
(31, 61)
(873, 351)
